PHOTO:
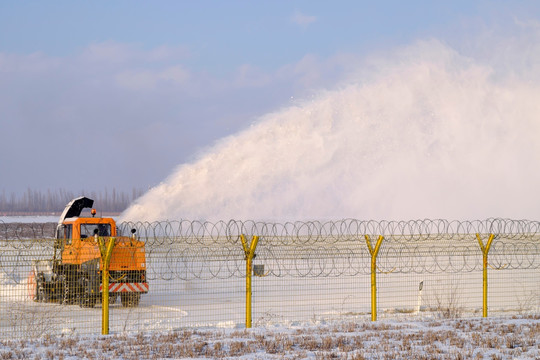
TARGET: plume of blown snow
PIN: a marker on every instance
(428, 134)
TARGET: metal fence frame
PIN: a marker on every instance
(346, 248)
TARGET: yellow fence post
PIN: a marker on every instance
(373, 252)
(105, 259)
(485, 251)
(250, 253)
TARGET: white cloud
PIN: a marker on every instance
(109, 51)
(176, 74)
(116, 53)
(145, 79)
(528, 23)
(166, 53)
(303, 19)
(33, 63)
(250, 76)
(311, 72)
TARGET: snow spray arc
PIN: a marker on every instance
(429, 134)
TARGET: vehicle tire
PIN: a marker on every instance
(87, 297)
(41, 294)
(130, 299)
(112, 298)
(88, 301)
(68, 296)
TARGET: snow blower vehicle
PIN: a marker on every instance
(74, 274)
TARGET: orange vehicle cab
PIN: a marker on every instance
(80, 244)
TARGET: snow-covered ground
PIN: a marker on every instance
(160, 328)
(29, 219)
(303, 307)
(473, 338)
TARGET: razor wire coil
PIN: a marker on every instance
(204, 250)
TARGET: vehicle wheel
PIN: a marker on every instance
(41, 294)
(112, 298)
(88, 301)
(68, 297)
(130, 299)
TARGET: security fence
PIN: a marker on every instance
(243, 274)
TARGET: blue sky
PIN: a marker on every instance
(104, 94)
(264, 33)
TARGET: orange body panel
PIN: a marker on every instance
(128, 253)
(80, 251)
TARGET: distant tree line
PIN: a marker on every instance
(54, 201)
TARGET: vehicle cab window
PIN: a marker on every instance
(87, 230)
(64, 233)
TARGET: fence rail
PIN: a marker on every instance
(235, 273)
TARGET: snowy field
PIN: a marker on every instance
(314, 307)
(195, 294)
(29, 219)
(475, 338)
